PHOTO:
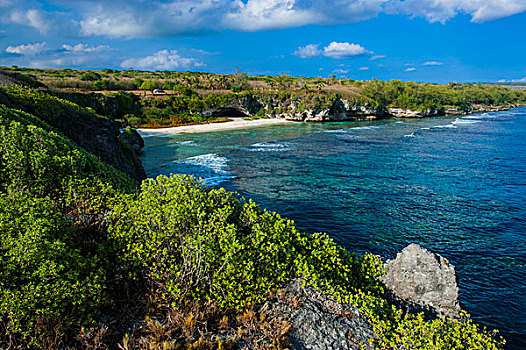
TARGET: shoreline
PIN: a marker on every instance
(235, 123)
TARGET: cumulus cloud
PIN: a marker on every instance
(333, 50)
(308, 51)
(410, 69)
(340, 71)
(168, 18)
(162, 60)
(84, 48)
(27, 50)
(432, 63)
(443, 10)
(363, 68)
(343, 50)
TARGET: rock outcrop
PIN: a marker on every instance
(408, 113)
(338, 110)
(425, 279)
(317, 321)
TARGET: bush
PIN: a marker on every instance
(90, 76)
(45, 280)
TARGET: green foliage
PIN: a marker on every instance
(421, 96)
(90, 76)
(45, 280)
(192, 243)
(411, 331)
(149, 85)
(36, 159)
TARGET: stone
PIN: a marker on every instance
(424, 278)
(318, 322)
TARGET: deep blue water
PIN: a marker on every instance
(457, 186)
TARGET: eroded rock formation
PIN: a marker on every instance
(424, 278)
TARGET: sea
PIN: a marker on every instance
(455, 185)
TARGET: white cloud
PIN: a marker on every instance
(333, 50)
(27, 50)
(410, 69)
(522, 80)
(340, 71)
(268, 14)
(377, 57)
(163, 18)
(343, 50)
(363, 68)
(84, 48)
(33, 18)
(432, 63)
(204, 52)
(162, 60)
(443, 10)
(308, 51)
(156, 18)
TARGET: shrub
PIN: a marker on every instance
(45, 280)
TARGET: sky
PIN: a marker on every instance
(419, 40)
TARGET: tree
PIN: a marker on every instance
(149, 85)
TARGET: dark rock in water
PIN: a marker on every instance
(426, 279)
(318, 322)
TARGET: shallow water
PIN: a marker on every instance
(457, 186)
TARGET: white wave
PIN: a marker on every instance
(445, 126)
(211, 168)
(348, 130)
(365, 127)
(212, 161)
(189, 142)
(425, 128)
(461, 121)
(399, 122)
(410, 135)
(475, 116)
(336, 131)
(271, 147)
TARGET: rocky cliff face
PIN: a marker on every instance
(407, 113)
(423, 278)
(298, 110)
(339, 110)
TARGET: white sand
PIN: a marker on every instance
(236, 123)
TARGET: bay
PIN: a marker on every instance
(457, 186)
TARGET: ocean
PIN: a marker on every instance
(455, 185)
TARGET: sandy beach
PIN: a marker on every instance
(236, 123)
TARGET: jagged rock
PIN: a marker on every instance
(427, 279)
(317, 321)
(407, 113)
(339, 110)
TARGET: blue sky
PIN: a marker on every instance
(420, 40)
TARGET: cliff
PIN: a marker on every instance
(97, 135)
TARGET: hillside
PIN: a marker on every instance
(91, 259)
(165, 98)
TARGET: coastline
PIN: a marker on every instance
(236, 123)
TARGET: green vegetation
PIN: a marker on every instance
(167, 264)
(192, 97)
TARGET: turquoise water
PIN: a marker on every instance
(457, 186)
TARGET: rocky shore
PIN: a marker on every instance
(419, 280)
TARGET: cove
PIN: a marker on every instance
(456, 186)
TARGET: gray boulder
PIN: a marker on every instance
(420, 277)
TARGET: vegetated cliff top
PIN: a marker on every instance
(167, 98)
